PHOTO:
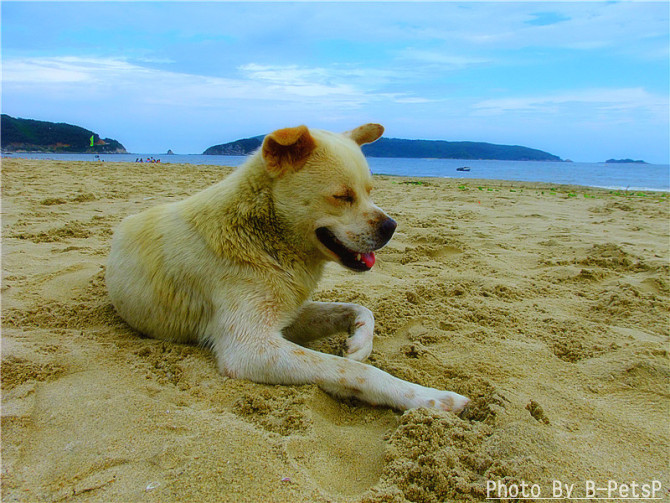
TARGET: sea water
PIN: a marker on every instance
(616, 176)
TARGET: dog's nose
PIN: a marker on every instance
(387, 228)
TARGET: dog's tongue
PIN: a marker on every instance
(368, 259)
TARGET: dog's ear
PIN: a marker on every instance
(287, 150)
(367, 133)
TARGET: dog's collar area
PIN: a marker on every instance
(349, 258)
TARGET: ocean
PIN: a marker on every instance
(613, 176)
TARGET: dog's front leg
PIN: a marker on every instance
(321, 319)
(264, 356)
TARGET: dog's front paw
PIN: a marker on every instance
(359, 345)
(436, 399)
(358, 350)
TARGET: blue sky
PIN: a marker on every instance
(583, 80)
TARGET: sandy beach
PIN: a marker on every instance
(547, 305)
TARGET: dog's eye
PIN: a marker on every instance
(345, 198)
(343, 195)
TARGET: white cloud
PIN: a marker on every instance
(441, 59)
(91, 76)
(344, 85)
(304, 82)
(117, 86)
(586, 101)
(284, 75)
(411, 100)
(42, 71)
(335, 80)
(510, 26)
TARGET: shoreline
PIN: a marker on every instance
(465, 180)
(526, 184)
(548, 310)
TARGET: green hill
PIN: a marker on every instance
(439, 149)
(238, 147)
(395, 147)
(27, 135)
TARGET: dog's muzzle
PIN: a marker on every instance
(357, 260)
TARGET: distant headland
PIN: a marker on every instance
(624, 161)
(396, 147)
(28, 135)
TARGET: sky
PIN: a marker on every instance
(586, 81)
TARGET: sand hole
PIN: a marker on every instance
(344, 454)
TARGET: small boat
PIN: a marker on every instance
(464, 168)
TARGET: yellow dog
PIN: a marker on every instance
(233, 267)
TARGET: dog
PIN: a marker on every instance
(233, 267)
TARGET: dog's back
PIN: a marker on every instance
(152, 288)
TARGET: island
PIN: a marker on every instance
(237, 147)
(28, 135)
(624, 161)
(440, 149)
(396, 147)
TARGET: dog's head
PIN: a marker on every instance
(322, 191)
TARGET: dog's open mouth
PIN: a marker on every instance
(349, 258)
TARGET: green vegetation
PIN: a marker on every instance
(27, 135)
(438, 149)
(239, 147)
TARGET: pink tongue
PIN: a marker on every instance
(368, 259)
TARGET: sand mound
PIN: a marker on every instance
(548, 306)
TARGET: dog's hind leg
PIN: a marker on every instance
(321, 319)
(267, 357)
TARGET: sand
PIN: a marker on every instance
(547, 305)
